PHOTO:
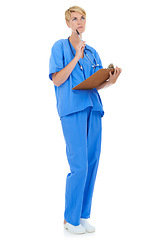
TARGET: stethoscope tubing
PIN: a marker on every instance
(93, 64)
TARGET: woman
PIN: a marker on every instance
(80, 111)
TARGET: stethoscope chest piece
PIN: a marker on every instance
(81, 67)
(95, 66)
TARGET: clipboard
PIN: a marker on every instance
(95, 79)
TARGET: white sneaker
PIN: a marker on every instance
(74, 229)
(89, 228)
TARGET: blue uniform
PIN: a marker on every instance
(80, 112)
(68, 100)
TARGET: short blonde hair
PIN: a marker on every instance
(74, 9)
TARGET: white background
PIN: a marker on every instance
(33, 163)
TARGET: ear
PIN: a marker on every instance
(68, 24)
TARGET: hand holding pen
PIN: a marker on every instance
(80, 47)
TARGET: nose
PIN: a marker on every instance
(80, 22)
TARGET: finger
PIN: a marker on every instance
(83, 45)
(120, 69)
(118, 73)
(115, 71)
(111, 75)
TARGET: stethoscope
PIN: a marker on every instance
(93, 64)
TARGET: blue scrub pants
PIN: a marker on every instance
(82, 134)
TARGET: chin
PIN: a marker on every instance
(81, 30)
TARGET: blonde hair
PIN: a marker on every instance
(73, 9)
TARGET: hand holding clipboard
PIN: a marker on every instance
(99, 77)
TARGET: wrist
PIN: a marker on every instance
(76, 58)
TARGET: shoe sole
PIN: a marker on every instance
(71, 231)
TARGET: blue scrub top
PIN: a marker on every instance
(68, 100)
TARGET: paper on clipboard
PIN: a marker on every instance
(94, 80)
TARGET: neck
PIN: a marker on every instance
(74, 38)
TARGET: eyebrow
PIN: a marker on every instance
(76, 17)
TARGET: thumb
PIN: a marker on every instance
(110, 73)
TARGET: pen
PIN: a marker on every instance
(79, 35)
(80, 39)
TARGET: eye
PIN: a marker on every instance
(83, 17)
(74, 19)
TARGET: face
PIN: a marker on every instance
(77, 21)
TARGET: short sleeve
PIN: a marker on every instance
(56, 59)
